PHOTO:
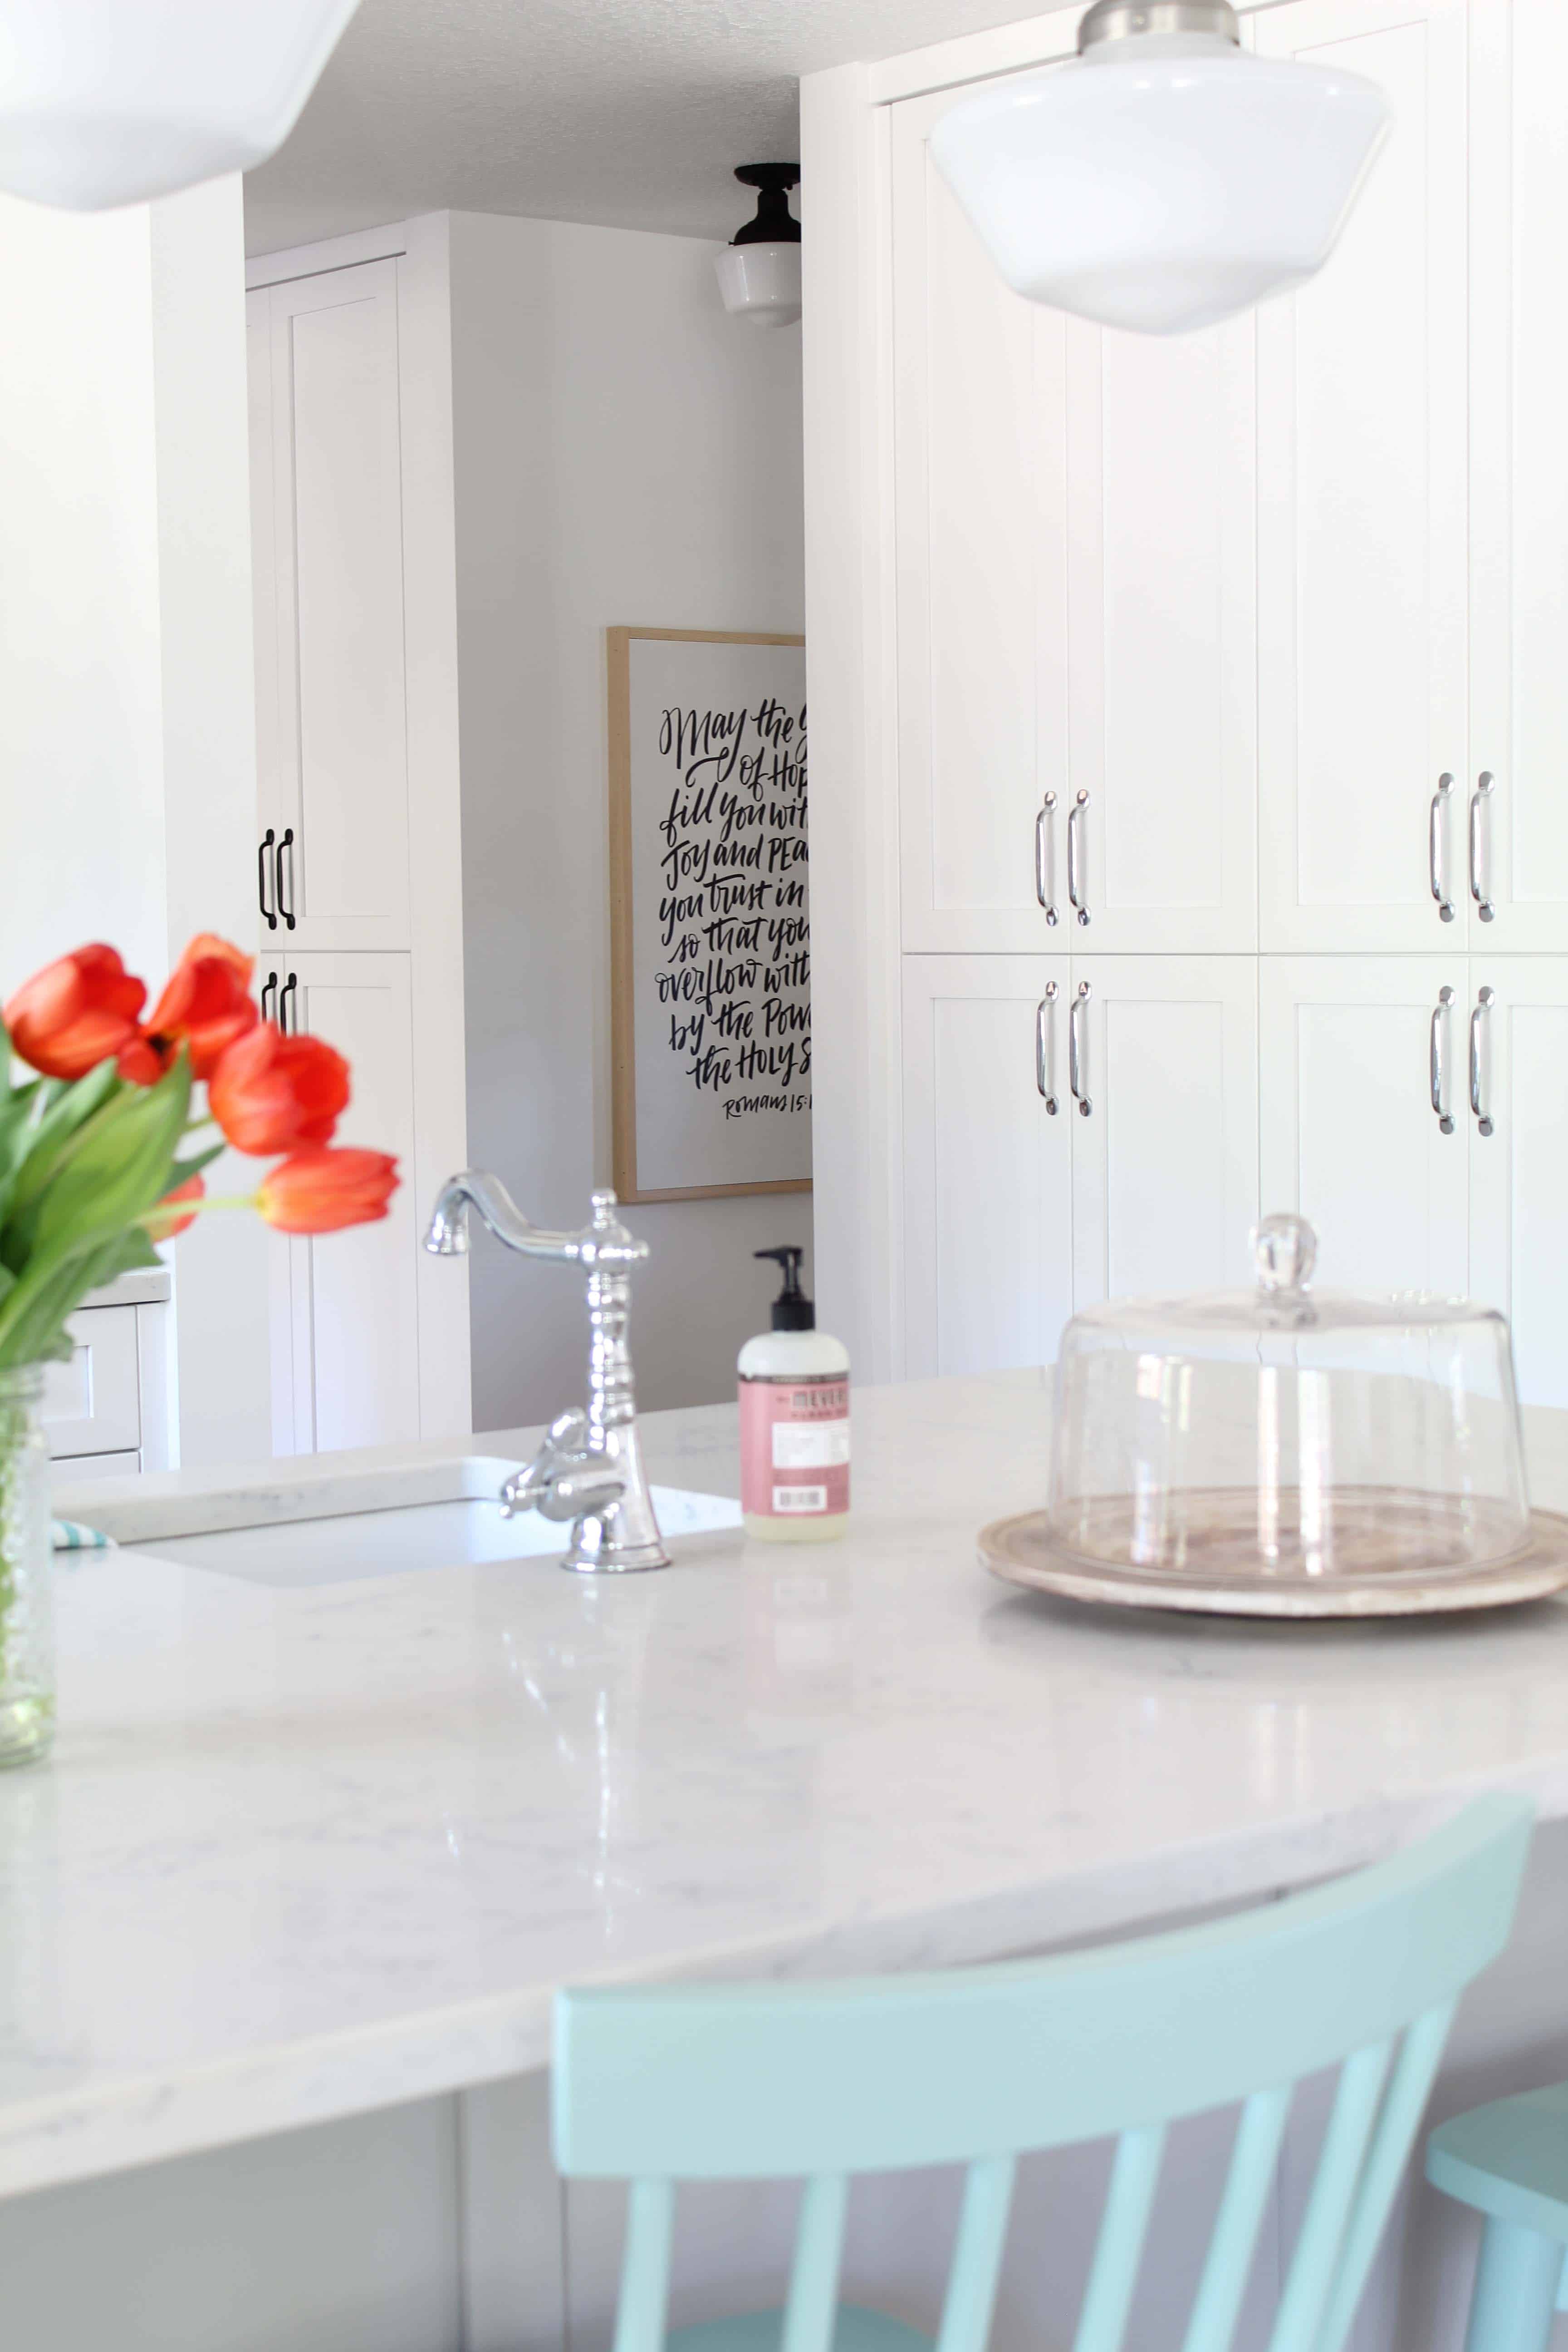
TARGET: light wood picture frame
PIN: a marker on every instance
(628, 889)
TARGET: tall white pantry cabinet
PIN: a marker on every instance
(358, 881)
(1191, 831)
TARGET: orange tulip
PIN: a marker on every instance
(162, 1222)
(318, 1190)
(75, 1013)
(269, 1093)
(205, 1005)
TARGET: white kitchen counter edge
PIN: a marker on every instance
(355, 2072)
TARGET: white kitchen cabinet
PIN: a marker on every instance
(354, 531)
(1364, 1126)
(1518, 474)
(108, 1407)
(1075, 624)
(327, 536)
(92, 1400)
(988, 1161)
(1071, 1129)
(1164, 1123)
(1517, 1029)
(346, 1342)
(1362, 551)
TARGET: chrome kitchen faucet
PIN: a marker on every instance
(590, 1468)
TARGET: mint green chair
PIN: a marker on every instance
(1510, 2160)
(822, 2081)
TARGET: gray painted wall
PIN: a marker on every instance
(626, 453)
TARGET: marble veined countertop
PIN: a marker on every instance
(309, 1852)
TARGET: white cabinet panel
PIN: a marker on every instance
(1518, 731)
(1518, 1261)
(988, 1161)
(1075, 592)
(345, 1333)
(1161, 630)
(77, 1469)
(1361, 512)
(266, 640)
(1348, 1136)
(327, 489)
(93, 1403)
(1164, 1123)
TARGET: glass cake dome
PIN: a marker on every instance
(1287, 1433)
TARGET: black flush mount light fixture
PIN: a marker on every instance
(759, 274)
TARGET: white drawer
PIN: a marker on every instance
(77, 1469)
(92, 1404)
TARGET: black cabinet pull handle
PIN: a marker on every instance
(285, 907)
(289, 987)
(261, 879)
(270, 989)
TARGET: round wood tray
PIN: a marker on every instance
(1022, 1550)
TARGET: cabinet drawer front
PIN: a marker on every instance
(92, 1404)
(81, 1469)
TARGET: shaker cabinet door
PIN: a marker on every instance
(1362, 415)
(1161, 1073)
(345, 1334)
(1518, 808)
(1364, 1116)
(1517, 1030)
(1077, 694)
(987, 1163)
(327, 507)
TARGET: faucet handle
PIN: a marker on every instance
(568, 1477)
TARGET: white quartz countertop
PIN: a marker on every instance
(309, 1852)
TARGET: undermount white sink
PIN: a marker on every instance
(327, 1530)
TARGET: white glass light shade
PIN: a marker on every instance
(112, 101)
(1161, 183)
(761, 282)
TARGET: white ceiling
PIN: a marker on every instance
(631, 112)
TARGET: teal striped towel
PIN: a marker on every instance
(69, 1535)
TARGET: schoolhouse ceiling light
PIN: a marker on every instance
(112, 101)
(759, 274)
(1165, 177)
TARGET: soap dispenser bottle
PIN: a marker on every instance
(794, 1421)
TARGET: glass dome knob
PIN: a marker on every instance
(1284, 1251)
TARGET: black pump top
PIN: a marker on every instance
(793, 1311)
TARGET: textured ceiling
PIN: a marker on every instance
(631, 112)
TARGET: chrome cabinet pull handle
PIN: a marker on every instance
(1075, 1051)
(270, 989)
(1074, 857)
(287, 843)
(1485, 783)
(1484, 1003)
(270, 912)
(1043, 1077)
(1436, 825)
(1046, 812)
(290, 998)
(1439, 1034)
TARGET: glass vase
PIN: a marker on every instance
(26, 1569)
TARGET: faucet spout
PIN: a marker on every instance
(604, 1242)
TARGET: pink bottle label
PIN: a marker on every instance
(795, 1448)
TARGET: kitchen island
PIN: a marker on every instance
(317, 1858)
